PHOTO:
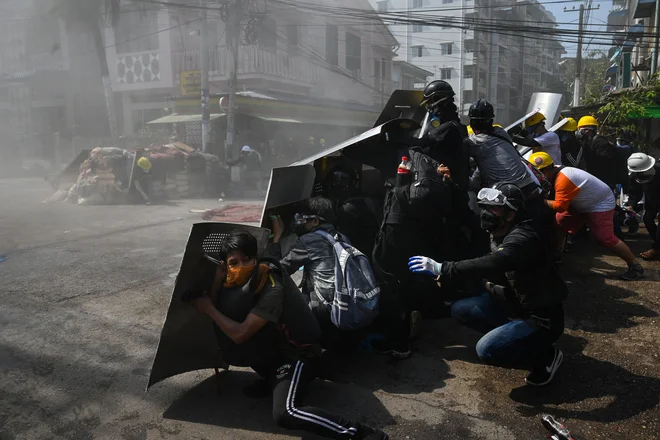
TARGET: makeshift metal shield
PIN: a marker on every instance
(187, 340)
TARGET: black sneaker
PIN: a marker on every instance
(543, 375)
(394, 350)
(634, 272)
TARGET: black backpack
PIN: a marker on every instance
(428, 194)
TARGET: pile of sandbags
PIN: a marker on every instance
(98, 182)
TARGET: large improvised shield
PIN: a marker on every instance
(403, 104)
(187, 340)
(548, 104)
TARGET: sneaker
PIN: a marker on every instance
(394, 350)
(543, 375)
(634, 272)
(650, 255)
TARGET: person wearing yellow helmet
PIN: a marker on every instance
(572, 153)
(537, 136)
(603, 159)
(142, 179)
(580, 199)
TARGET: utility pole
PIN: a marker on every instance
(233, 24)
(578, 61)
(577, 86)
(204, 71)
(656, 40)
(382, 82)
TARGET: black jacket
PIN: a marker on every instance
(650, 191)
(532, 287)
(605, 162)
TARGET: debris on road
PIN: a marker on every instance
(234, 213)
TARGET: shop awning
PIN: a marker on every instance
(174, 118)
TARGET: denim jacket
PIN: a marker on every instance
(318, 258)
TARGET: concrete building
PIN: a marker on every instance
(631, 22)
(296, 68)
(49, 83)
(458, 47)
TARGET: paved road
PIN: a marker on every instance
(84, 293)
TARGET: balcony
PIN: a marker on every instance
(252, 61)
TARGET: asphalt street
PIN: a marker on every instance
(84, 294)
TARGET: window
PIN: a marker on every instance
(445, 49)
(353, 53)
(445, 73)
(292, 38)
(417, 51)
(377, 69)
(131, 31)
(382, 6)
(417, 28)
(332, 44)
(268, 35)
(417, 3)
(446, 2)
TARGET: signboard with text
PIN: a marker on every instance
(191, 83)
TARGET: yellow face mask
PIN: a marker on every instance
(238, 275)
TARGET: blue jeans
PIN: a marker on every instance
(506, 343)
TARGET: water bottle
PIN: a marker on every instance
(557, 430)
(403, 172)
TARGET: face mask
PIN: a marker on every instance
(645, 177)
(238, 275)
(531, 131)
(489, 221)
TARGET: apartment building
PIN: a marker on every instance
(630, 22)
(304, 66)
(457, 46)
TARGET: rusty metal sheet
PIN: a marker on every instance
(187, 340)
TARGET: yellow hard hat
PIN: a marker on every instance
(144, 163)
(498, 125)
(534, 119)
(470, 131)
(587, 121)
(571, 125)
(541, 160)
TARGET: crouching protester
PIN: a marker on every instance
(521, 312)
(263, 322)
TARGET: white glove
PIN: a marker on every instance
(424, 266)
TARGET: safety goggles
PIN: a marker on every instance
(493, 197)
(301, 219)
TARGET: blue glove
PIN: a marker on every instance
(424, 266)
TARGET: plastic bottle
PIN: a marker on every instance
(557, 430)
(403, 172)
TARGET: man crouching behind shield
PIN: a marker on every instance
(262, 321)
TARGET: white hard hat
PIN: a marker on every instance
(245, 148)
(640, 162)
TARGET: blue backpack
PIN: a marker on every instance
(355, 304)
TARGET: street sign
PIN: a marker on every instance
(191, 83)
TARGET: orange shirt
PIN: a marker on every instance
(579, 190)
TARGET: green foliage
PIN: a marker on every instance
(624, 110)
(594, 66)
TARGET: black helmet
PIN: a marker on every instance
(502, 194)
(436, 92)
(481, 109)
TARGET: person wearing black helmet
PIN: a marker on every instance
(521, 310)
(445, 131)
(494, 153)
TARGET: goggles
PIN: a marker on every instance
(301, 219)
(493, 197)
